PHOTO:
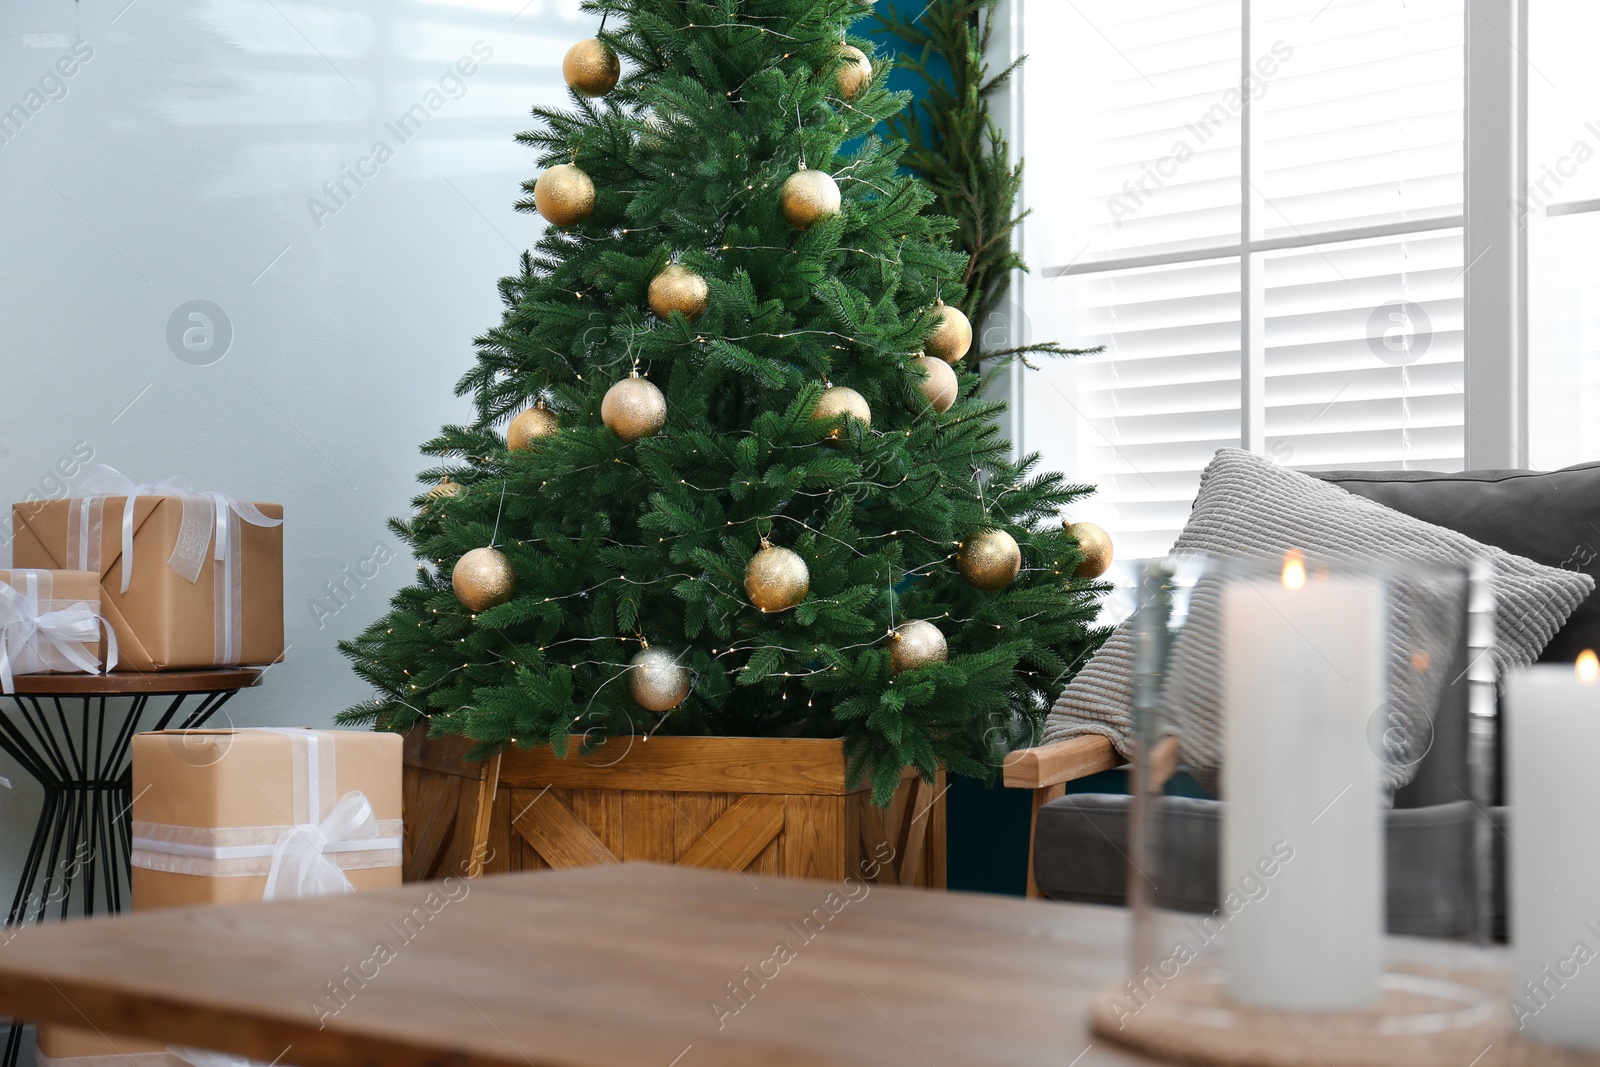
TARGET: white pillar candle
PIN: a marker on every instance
(1303, 671)
(1552, 742)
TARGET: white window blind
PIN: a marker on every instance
(1255, 205)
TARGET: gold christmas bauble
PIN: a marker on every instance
(656, 681)
(591, 67)
(855, 71)
(446, 488)
(951, 340)
(530, 425)
(678, 288)
(937, 382)
(916, 644)
(564, 194)
(1095, 544)
(634, 408)
(989, 559)
(809, 196)
(839, 401)
(776, 579)
(483, 578)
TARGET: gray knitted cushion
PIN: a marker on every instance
(1249, 508)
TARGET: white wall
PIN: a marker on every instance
(176, 164)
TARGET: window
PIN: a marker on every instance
(1257, 207)
(1561, 213)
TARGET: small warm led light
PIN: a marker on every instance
(1587, 667)
(1294, 569)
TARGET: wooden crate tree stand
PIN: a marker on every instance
(778, 806)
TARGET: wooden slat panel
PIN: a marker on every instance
(855, 857)
(447, 755)
(430, 801)
(528, 858)
(769, 860)
(505, 847)
(912, 832)
(771, 765)
(738, 836)
(692, 815)
(557, 835)
(938, 837)
(477, 803)
(647, 828)
(875, 830)
(601, 811)
(813, 833)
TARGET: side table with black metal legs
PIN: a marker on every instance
(73, 734)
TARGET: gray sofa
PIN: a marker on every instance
(1080, 840)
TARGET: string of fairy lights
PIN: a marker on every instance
(776, 579)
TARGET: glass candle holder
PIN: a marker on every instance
(1309, 774)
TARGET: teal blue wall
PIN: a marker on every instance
(988, 825)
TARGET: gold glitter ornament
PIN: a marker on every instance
(530, 425)
(656, 681)
(838, 401)
(989, 559)
(634, 408)
(776, 579)
(445, 489)
(808, 196)
(677, 288)
(482, 579)
(937, 382)
(855, 71)
(951, 340)
(591, 67)
(916, 644)
(564, 194)
(1095, 544)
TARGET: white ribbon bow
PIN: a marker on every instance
(29, 635)
(202, 513)
(300, 865)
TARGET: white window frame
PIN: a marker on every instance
(1495, 348)
(1495, 352)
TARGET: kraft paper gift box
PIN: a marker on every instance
(211, 812)
(50, 622)
(216, 811)
(61, 1046)
(187, 580)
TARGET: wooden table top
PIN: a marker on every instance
(620, 966)
(138, 683)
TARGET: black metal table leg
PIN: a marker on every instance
(79, 860)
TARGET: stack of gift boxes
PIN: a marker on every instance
(149, 578)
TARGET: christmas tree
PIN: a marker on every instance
(744, 485)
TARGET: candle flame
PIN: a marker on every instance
(1294, 569)
(1588, 667)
